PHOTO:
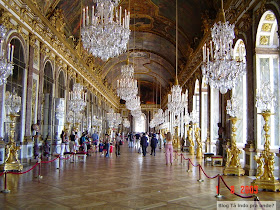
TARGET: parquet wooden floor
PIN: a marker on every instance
(130, 181)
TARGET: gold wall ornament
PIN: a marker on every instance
(264, 40)
(233, 165)
(265, 177)
(11, 162)
(198, 142)
(176, 140)
(190, 139)
(267, 27)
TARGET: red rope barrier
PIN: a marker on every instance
(50, 160)
(10, 172)
(68, 157)
(193, 164)
(207, 175)
(2, 173)
(250, 196)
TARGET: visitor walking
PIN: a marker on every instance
(154, 142)
(144, 144)
(168, 149)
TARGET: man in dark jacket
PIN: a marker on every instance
(144, 143)
(154, 142)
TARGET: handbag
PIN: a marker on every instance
(121, 142)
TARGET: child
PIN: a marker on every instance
(101, 145)
(111, 149)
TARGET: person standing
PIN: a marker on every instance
(95, 139)
(63, 143)
(144, 144)
(72, 142)
(117, 145)
(154, 142)
(168, 149)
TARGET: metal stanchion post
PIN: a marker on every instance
(199, 172)
(5, 184)
(40, 165)
(218, 190)
(181, 159)
(58, 166)
(188, 165)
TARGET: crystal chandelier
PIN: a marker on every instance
(77, 98)
(133, 104)
(59, 111)
(6, 63)
(194, 117)
(12, 102)
(106, 33)
(127, 85)
(136, 113)
(158, 119)
(232, 107)
(219, 67)
(126, 123)
(176, 100)
(265, 98)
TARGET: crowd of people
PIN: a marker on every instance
(139, 141)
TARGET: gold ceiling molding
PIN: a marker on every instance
(31, 18)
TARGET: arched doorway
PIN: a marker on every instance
(267, 71)
(47, 102)
(15, 84)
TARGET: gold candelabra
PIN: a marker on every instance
(11, 162)
(176, 141)
(265, 176)
(198, 142)
(191, 147)
(233, 165)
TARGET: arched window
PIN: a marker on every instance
(61, 85)
(267, 71)
(140, 124)
(240, 93)
(48, 78)
(204, 110)
(15, 82)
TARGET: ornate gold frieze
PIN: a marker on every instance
(264, 40)
(270, 17)
(267, 27)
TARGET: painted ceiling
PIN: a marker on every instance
(152, 41)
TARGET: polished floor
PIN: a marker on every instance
(130, 181)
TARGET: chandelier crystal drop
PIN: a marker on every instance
(127, 85)
(133, 104)
(219, 67)
(6, 60)
(77, 98)
(106, 33)
(232, 107)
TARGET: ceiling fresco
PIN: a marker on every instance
(152, 46)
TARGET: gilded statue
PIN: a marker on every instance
(57, 20)
(260, 163)
(12, 155)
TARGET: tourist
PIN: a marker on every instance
(76, 148)
(117, 145)
(72, 142)
(168, 149)
(95, 139)
(154, 142)
(106, 145)
(144, 144)
(64, 139)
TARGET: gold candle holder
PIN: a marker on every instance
(191, 147)
(11, 162)
(233, 165)
(265, 176)
(198, 142)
